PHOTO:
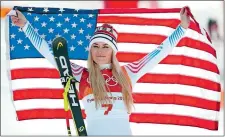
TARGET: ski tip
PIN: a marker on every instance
(58, 39)
(59, 42)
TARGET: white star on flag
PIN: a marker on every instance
(81, 31)
(90, 15)
(52, 19)
(58, 35)
(89, 25)
(66, 30)
(72, 48)
(43, 36)
(19, 41)
(75, 15)
(30, 9)
(12, 48)
(50, 41)
(13, 36)
(59, 24)
(88, 37)
(50, 30)
(73, 36)
(36, 18)
(36, 30)
(26, 47)
(45, 10)
(13, 24)
(80, 42)
(20, 30)
(61, 10)
(43, 24)
(74, 25)
(67, 19)
(87, 48)
(82, 20)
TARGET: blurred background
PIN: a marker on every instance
(208, 13)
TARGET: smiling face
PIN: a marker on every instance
(101, 53)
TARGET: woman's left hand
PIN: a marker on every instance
(185, 19)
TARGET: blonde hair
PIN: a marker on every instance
(99, 87)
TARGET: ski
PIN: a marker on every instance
(70, 92)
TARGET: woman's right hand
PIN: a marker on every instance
(19, 20)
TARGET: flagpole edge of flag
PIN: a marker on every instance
(7, 56)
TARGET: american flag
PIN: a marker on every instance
(183, 89)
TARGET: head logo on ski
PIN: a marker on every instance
(59, 45)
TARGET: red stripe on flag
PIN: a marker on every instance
(158, 39)
(138, 98)
(134, 117)
(172, 59)
(44, 114)
(180, 79)
(152, 78)
(172, 23)
(192, 43)
(174, 119)
(38, 93)
(120, 4)
(176, 99)
(138, 10)
(34, 73)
